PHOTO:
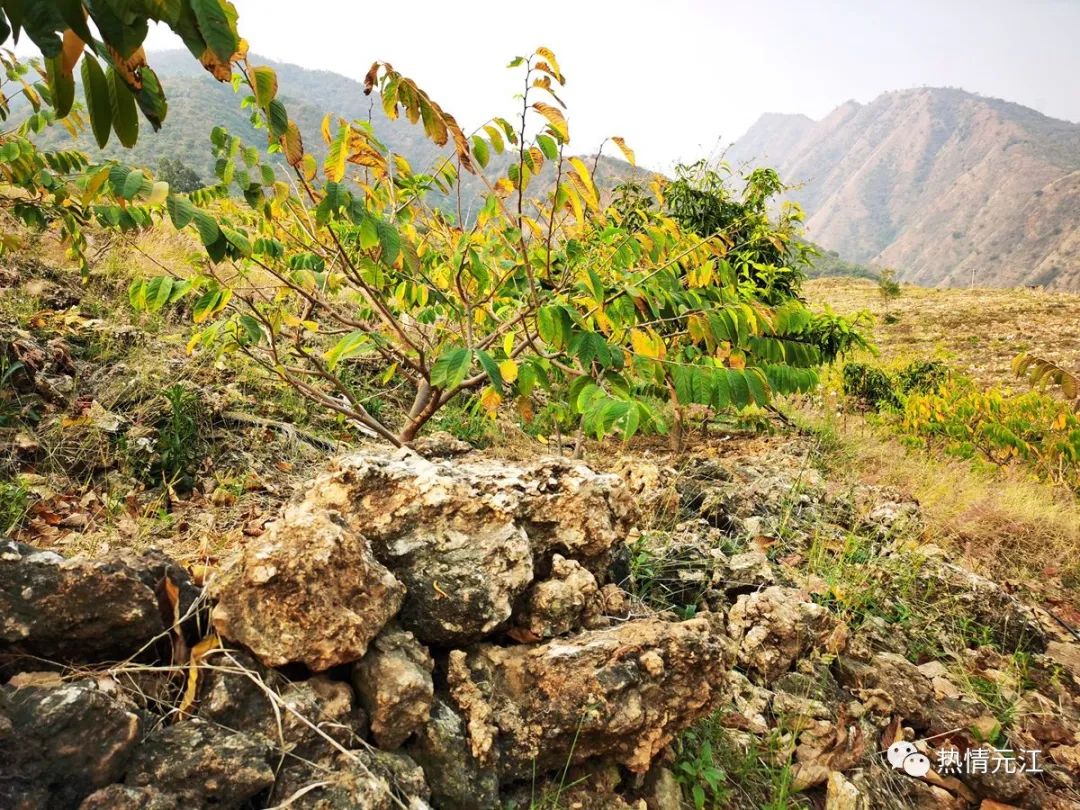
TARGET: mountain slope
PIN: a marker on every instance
(945, 185)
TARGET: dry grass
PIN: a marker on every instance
(1009, 528)
(978, 331)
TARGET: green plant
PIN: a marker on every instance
(1041, 372)
(700, 776)
(1032, 428)
(922, 376)
(871, 386)
(888, 287)
(179, 444)
(67, 32)
(14, 503)
(550, 295)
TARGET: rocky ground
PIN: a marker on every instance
(469, 632)
(300, 622)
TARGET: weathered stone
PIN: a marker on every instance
(1012, 624)
(623, 693)
(457, 780)
(465, 536)
(61, 743)
(73, 611)
(346, 782)
(568, 600)
(234, 700)
(308, 591)
(121, 797)
(202, 764)
(840, 794)
(775, 627)
(394, 683)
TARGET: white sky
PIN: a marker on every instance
(675, 77)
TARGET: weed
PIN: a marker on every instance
(14, 502)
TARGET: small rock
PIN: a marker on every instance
(840, 794)
(394, 683)
(120, 797)
(565, 602)
(775, 627)
(308, 591)
(202, 764)
(345, 782)
(457, 780)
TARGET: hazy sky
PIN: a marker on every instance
(675, 77)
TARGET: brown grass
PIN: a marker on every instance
(978, 331)
(1014, 530)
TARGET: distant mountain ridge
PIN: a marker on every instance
(945, 185)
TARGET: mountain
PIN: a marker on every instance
(198, 103)
(945, 185)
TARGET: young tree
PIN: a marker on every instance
(349, 262)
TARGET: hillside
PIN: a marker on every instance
(943, 184)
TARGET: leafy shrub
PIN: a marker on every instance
(870, 386)
(630, 317)
(1032, 429)
(922, 376)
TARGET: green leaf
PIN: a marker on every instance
(278, 118)
(548, 146)
(352, 345)
(210, 303)
(151, 99)
(158, 292)
(125, 117)
(217, 24)
(265, 81)
(61, 86)
(451, 368)
(181, 210)
(491, 368)
(134, 184)
(480, 151)
(98, 103)
(207, 227)
(389, 240)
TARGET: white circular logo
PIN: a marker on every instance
(904, 756)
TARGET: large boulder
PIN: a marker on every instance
(394, 683)
(60, 743)
(467, 537)
(202, 765)
(73, 610)
(621, 693)
(308, 591)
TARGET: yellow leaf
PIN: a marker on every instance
(491, 400)
(542, 439)
(509, 370)
(555, 118)
(645, 345)
(628, 153)
(508, 343)
(159, 193)
(198, 652)
(1059, 423)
